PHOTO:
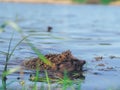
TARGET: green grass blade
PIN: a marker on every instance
(39, 54)
(48, 80)
(9, 47)
(17, 46)
(6, 63)
(9, 83)
(36, 79)
(4, 53)
(10, 71)
(14, 26)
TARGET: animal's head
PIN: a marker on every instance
(78, 64)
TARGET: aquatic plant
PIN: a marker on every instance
(8, 54)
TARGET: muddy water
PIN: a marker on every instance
(91, 32)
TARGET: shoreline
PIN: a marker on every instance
(67, 2)
(116, 3)
(39, 2)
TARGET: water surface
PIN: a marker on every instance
(87, 30)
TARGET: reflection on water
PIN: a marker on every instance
(86, 30)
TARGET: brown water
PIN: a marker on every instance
(89, 31)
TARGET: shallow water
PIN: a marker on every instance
(88, 31)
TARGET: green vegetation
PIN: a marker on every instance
(95, 1)
(63, 1)
(80, 1)
(8, 54)
(106, 1)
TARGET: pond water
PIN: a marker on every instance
(89, 31)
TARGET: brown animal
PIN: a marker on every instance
(60, 63)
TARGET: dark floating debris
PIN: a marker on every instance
(96, 73)
(107, 69)
(49, 29)
(18, 78)
(99, 58)
(110, 68)
(112, 57)
(104, 44)
(60, 63)
(101, 64)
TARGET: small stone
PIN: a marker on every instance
(101, 64)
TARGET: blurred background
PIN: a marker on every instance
(116, 2)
